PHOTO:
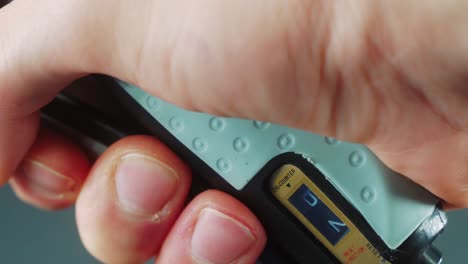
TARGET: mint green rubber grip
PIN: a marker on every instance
(237, 149)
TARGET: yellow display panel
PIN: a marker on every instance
(322, 217)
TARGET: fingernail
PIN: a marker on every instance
(45, 181)
(214, 231)
(144, 185)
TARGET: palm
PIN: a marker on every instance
(387, 74)
(359, 74)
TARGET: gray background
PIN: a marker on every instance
(28, 235)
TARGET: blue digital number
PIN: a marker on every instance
(318, 214)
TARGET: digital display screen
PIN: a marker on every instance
(318, 214)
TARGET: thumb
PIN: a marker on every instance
(31, 71)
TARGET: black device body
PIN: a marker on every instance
(289, 241)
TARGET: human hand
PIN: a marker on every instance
(130, 204)
(387, 74)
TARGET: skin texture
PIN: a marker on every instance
(389, 74)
